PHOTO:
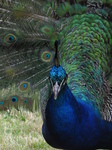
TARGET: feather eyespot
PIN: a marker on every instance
(10, 39)
(47, 30)
(1, 103)
(25, 101)
(46, 56)
(24, 86)
(14, 98)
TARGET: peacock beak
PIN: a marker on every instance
(56, 89)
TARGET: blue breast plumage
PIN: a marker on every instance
(71, 123)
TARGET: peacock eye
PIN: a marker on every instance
(14, 99)
(24, 86)
(25, 101)
(46, 56)
(9, 39)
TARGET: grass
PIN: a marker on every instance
(21, 130)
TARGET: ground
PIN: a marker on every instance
(21, 130)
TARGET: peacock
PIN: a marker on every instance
(60, 51)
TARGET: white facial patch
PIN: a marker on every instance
(56, 89)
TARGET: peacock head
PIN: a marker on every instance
(57, 75)
(58, 78)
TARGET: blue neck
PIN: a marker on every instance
(72, 123)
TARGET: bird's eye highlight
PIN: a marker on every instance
(10, 39)
(46, 56)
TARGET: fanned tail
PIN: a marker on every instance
(25, 53)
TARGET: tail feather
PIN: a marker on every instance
(17, 102)
(25, 32)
